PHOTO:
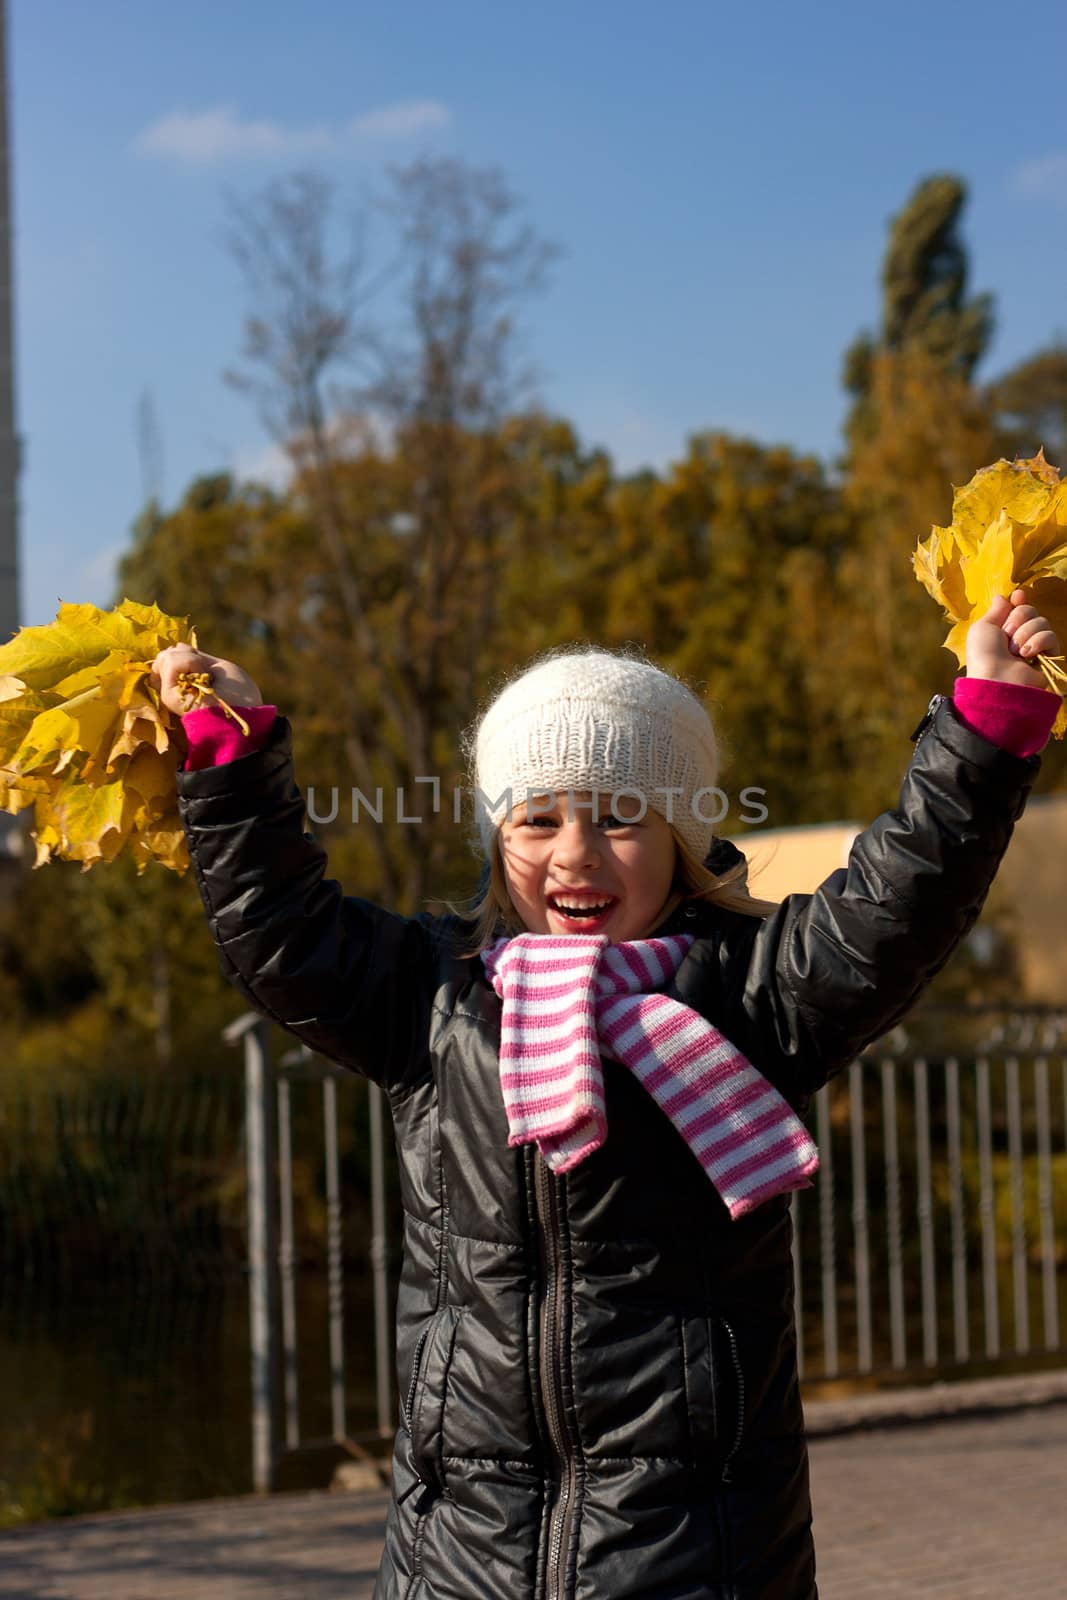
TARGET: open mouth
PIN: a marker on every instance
(582, 908)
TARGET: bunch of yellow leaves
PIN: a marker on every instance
(85, 739)
(1008, 531)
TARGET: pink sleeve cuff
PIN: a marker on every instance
(214, 738)
(1012, 715)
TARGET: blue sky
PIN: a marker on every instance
(719, 179)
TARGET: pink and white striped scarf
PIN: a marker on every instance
(570, 999)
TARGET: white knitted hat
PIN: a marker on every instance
(589, 720)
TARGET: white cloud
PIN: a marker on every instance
(211, 138)
(269, 464)
(273, 465)
(1045, 179)
(401, 120)
(207, 138)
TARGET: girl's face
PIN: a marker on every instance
(573, 867)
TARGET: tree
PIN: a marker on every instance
(918, 425)
(248, 567)
(1029, 403)
(401, 471)
(929, 430)
(925, 305)
(721, 570)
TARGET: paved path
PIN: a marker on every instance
(972, 1507)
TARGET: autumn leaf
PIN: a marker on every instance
(13, 800)
(149, 781)
(85, 739)
(1008, 531)
(19, 706)
(150, 620)
(75, 726)
(85, 823)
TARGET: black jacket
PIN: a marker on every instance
(597, 1371)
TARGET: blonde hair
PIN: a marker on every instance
(493, 914)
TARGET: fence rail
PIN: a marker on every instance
(932, 1243)
(120, 1178)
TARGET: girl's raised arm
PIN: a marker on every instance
(346, 977)
(828, 972)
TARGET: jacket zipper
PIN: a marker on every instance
(416, 1363)
(551, 1374)
(429, 1492)
(407, 1405)
(739, 1377)
(919, 732)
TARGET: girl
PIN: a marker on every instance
(596, 1112)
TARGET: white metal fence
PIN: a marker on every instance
(933, 1243)
(935, 1239)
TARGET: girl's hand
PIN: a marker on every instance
(228, 680)
(1010, 634)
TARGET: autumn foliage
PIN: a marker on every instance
(734, 545)
(438, 530)
(1008, 531)
(84, 739)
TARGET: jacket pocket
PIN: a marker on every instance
(424, 1406)
(715, 1392)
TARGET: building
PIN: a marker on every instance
(1033, 875)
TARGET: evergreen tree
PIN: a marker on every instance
(926, 309)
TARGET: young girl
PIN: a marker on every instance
(596, 1111)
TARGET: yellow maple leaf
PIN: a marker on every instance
(155, 624)
(18, 708)
(142, 725)
(19, 793)
(1026, 490)
(58, 735)
(85, 823)
(1008, 531)
(85, 739)
(43, 657)
(990, 570)
(936, 569)
(164, 843)
(149, 778)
